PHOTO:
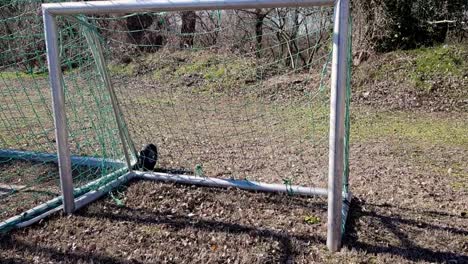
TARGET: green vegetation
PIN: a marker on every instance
(122, 69)
(438, 62)
(460, 175)
(213, 67)
(442, 160)
(305, 122)
(312, 219)
(423, 133)
(411, 127)
(203, 71)
(425, 79)
(423, 128)
(7, 75)
(418, 68)
(117, 198)
(441, 60)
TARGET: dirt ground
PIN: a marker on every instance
(401, 213)
(408, 177)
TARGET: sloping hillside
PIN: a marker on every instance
(430, 79)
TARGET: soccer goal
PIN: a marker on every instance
(240, 94)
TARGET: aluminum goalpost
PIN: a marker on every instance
(338, 197)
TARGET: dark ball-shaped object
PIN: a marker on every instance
(148, 157)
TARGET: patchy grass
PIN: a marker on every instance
(123, 69)
(430, 79)
(445, 161)
(459, 172)
(418, 128)
(213, 67)
(420, 137)
(8, 75)
(421, 65)
(152, 101)
(441, 61)
(302, 121)
(202, 71)
(408, 127)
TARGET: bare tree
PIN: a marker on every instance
(189, 22)
(259, 16)
(144, 31)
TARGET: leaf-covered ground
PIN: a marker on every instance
(409, 176)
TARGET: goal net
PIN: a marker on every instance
(241, 95)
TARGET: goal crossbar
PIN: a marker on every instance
(100, 7)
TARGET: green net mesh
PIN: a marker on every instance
(28, 169)
(241, 94)
(26, 121)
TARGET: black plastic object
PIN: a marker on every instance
(148, 157)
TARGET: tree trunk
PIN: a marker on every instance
(189, 20)
(136, 26)
(259, 18)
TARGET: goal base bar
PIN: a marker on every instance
(41, 211)
(50, 157)
(232, 183)
(83, 200)
(55, 205)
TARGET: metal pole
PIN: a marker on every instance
(60, 119)
(49, 157)
(133, 6)
(80, 202)
(44, 208)
(231, 183)
(337, 124)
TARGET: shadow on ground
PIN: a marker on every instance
(401, 234)
(265, 233)
(365, 219)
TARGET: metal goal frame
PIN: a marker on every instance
(338, 199)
